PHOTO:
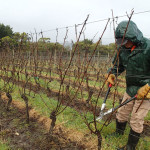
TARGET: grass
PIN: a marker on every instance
(70, 116)
(148, 116)
(4, 145)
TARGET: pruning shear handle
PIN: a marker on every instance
(104, 103)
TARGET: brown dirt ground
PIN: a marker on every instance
(34, 136)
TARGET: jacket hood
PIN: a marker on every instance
(133, 33)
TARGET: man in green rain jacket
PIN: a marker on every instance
(133, 57)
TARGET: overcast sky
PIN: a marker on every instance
(27, 15)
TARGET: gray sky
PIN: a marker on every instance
(27, 15)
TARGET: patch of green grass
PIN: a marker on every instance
(70, 117)
(148, 116)
(113, 142)
(4, 146)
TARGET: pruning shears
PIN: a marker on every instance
(102, 113)
(104, 104)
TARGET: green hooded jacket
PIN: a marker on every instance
(137, 62)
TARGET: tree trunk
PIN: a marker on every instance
(99, 137)
(53, 117)
(27, 107)
(9, 101)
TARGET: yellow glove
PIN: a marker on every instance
(111, 79)
(148, 95)
(144, 92)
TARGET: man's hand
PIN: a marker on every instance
(144, 92)
(111, 79)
